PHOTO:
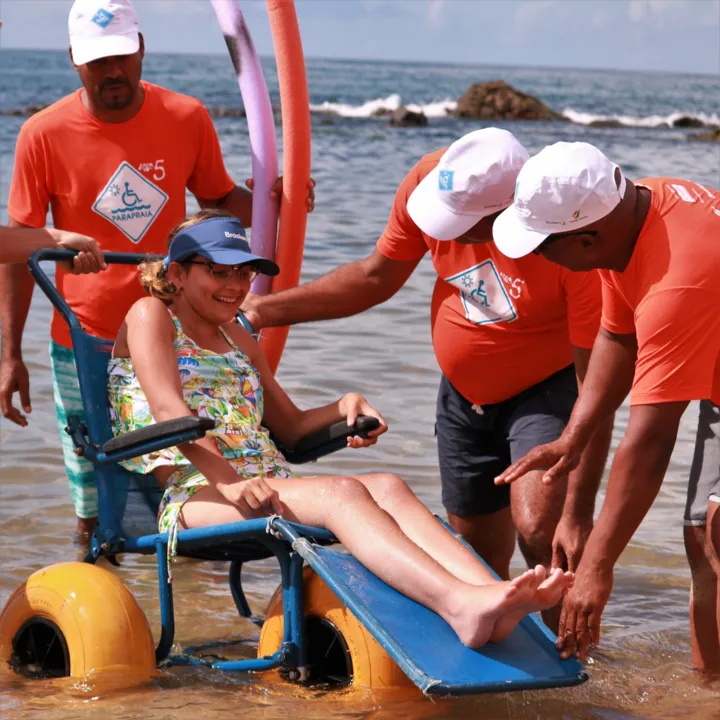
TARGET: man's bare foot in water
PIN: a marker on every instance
(548, 595)
(84, 530)
(478, 610)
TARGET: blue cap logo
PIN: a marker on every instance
(445, 179)
(102, 18)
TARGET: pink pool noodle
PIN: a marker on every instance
(261, 127)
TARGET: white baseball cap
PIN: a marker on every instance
(566, 186)
(102, 28)
(474, 178)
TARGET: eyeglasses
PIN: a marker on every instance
(245, 273)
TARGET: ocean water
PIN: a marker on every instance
(642, 666)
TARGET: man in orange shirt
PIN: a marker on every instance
(112, 161)
(506, 335)
(657, 245)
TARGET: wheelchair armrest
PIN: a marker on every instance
(195, 426)
(328, 440)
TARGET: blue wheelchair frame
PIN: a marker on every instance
(418, 640)
(238, 542)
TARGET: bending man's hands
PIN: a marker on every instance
(557, 458)
(581, 613)
(571, 535)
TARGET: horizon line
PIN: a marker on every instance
(407, 62)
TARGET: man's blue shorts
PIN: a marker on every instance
(476, 444)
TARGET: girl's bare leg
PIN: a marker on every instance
(394, 496)
(345, 507)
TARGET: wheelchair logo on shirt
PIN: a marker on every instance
(130, 202)
(483, 294)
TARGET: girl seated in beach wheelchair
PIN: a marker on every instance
(180, 353)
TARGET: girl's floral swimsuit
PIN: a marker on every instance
(225, 387)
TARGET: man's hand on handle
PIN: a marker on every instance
(90, 257)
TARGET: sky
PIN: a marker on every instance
(660, 35)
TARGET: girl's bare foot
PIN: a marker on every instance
(548, 595)
(476, 613)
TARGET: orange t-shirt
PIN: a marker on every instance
(123, 184)
(669, 295)
(499, 326)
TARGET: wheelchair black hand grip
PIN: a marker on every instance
(363, 425)
(366, 423)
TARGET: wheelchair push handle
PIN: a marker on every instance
(111, 258)
(48, 287)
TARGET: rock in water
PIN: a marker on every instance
(402, 117)
(685, 121)
(497, 100)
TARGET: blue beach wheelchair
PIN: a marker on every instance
(330, 619)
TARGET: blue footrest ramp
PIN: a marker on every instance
(426, 647)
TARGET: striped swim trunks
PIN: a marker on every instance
(66, 390)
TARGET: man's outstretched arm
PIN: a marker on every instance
(347, 290)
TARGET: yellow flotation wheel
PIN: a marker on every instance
(76, 620)
(340, 651)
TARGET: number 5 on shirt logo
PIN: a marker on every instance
(159, 173)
